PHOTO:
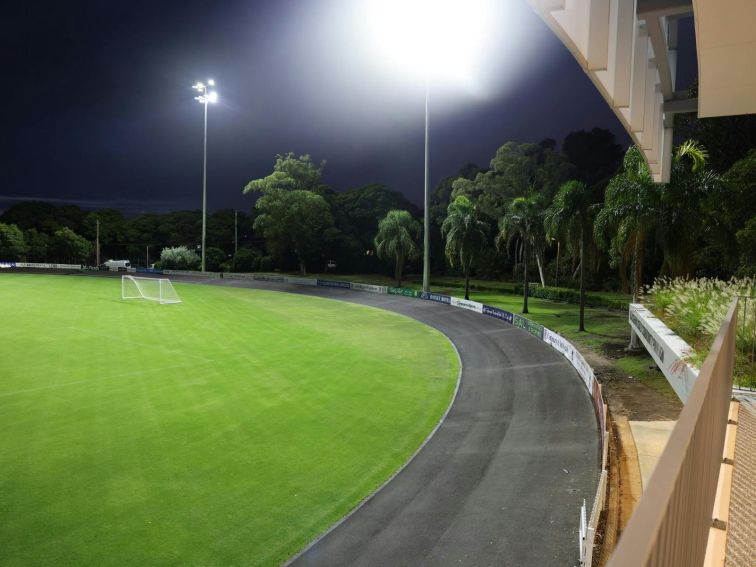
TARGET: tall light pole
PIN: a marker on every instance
(426, 214)
(203, 98)
(420, 47)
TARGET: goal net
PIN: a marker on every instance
(154, 289)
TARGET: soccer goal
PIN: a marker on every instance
(154, 289)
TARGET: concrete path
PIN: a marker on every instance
(650, 439)
(502, 480)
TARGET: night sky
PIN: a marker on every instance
(99, 109)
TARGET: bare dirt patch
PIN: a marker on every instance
(625, 395)
(628, 399)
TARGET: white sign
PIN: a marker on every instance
(48, 266)
(667, 349)
(268, 278)
(559, 343)
(301, 281)
(192, 273)
(369, 287)
(466, 304)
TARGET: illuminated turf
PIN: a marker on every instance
(229, 429)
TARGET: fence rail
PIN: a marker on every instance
(670, 527)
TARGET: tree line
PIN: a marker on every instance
(585, 215)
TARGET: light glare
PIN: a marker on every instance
(212, 96)
(435, 39)
(211, 82)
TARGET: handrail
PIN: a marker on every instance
(671, 524)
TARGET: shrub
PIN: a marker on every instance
(215, 260)
(695, 309)
(569, 295)
(179, 258)
(244, 260)
(265, 264)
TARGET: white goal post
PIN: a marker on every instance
(154, 289)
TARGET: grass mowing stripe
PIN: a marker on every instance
(150, 455)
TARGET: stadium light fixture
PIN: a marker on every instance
(204, 97)
(434, 39)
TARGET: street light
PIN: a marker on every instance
(203, 98)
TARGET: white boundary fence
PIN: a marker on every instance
(40, 265)
(666, 348)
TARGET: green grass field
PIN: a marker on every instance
(229, 429)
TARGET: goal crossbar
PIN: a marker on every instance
(152, 289)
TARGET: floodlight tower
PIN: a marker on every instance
(420, 47)
(426, 200)
(203, 98)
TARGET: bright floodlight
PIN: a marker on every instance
(437, 39)
(211, 82)
(212, 96)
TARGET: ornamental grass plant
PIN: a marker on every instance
(695, 310)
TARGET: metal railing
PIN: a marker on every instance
(670, 526)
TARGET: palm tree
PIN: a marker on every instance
(396, 238)
(635, 208)
(681, 199)
(570, 217)
(632, 208)
(523, 221)
(465, 235)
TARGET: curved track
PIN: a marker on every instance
(501, 481)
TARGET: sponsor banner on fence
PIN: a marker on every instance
(584, 369)
(559, 343)
(527, 325)
(235, 276)
(48, 266)
(439, 297)
(7, 264)
(666, 348)
(369, 287)
(598, 407)
(334, 283)
(301, 281)
(467, 304)
(193, 273)
(408, 292)
(149, 270)
(498, 313)
(268, 277)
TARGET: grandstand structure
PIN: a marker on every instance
(628, 49)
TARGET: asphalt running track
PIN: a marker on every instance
(502, 479)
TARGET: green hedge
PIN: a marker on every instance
(569, 295)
